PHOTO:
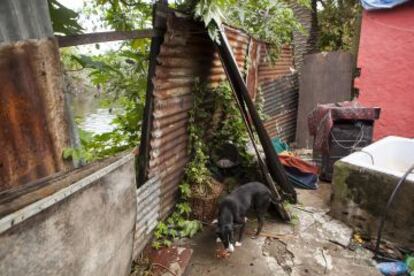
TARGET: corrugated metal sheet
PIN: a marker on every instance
(33, 125)
(281, 106)
(148, 207)
(279, 89)
(22, 19)
(187, 54)
(304, 43)
(268, 70)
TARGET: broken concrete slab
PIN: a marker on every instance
(170, 261)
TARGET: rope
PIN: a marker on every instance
(354, 146)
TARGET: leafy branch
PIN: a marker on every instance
(178, 225)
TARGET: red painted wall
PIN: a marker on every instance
(386, 59)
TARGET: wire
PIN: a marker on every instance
(367, 153)
(353, 147)
(390, 200)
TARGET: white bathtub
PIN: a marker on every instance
(363, 182)
(391, 155)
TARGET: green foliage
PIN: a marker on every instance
(64, 20)
(80, 153)
(203, 130)
(338, 24)
(96, 147)
(210, 12)
(259, 101)
(178, 225)
(123, 76)
(123, 15)
(232, 128)
(269, 20)
(197, 172)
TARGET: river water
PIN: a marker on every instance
(98, 121)
(91, 115)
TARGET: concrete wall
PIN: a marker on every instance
(84, 229)
(359, 198)
(386, 59)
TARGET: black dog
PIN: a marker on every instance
(233, 209)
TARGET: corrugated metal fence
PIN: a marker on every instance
(279, 87)
(187, 55)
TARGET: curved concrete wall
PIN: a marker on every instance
(84, 229)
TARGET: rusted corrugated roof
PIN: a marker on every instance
(33, 126)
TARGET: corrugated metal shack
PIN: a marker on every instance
(96, 212)
(187, 55)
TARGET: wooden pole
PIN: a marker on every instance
(82, 39)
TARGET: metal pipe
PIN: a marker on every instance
(390, 200)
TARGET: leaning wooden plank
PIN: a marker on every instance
(242, 94)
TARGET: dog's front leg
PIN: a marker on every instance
(260, 226)
(241, 231)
